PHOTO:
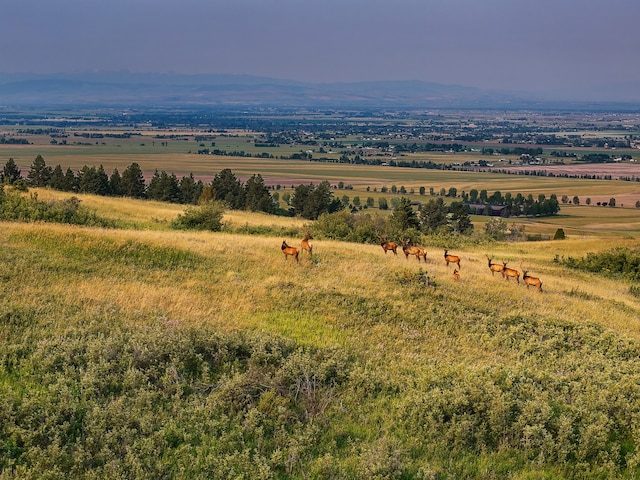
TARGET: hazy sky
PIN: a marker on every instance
(506, 44)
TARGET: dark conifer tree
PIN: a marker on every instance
(115, 183)
(164, 187)
(190, 189)
(93, 180)
(70, 181)
(39, 173)
(433, 215)
(133, 184)
(257, 196)
(228, 188)
(460, 219)
(10, 172)
(57, 180)
(404, 216)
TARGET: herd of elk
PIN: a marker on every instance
(287, 250)
(386, 245)
(409, 249)
(451, 258)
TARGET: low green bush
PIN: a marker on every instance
(207, 216)
(15, 207)
(621, 262)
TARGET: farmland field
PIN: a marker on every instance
(175, 151)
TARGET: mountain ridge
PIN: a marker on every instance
(174, 89)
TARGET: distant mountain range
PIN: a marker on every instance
(174, 90)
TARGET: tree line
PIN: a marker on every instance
(225, 186)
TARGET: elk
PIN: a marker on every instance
(287, 250)
(456, 274)
(409, 249)
(386, 245)
(305, 245)
(510, 273)
(494, 267)
(531, 281)
(451, 258)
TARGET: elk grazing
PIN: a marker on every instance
(456, 274)
(451, 258)
(510, 273)
(287, 250)
(409, 249)
(494, 267)
(531, 281)
(386, 245)
(305, 245)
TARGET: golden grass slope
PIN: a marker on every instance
(241, 281)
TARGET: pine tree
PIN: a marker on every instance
(133, 184)
(257, 196)
(404, 216)
(10, 172)
(93, 180)
(311, 201)
(434, 215)
(70, 181)
(57, 180)
(164, 187)
(40, 173)
(227, 187)
(460, 220)
(103, 181)
(190, 189)
(115, 183)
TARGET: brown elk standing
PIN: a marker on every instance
(456, 274)
(305, 245)
(287, 250)
(386, 245)
(409, 249)
(494, 267)
(531, 281)
(451, 258)
(510, 273)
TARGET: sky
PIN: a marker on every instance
(515, 45)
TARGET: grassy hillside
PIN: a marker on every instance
(145, 352)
